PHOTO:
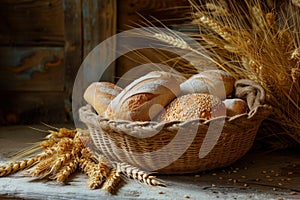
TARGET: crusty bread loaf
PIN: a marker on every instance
(193, 106)
(235, 106)
(215, 82)
(100, 94)
(144, 98)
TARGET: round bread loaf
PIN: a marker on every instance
(215, 82)
(193, 106)
(100, 94)
(144, 98)
(235, 106)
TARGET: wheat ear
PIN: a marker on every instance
(16, 166)
(220, 30)
(98, 175)
(67, 170)
(259, 22)
(217, 10)
(59, 162)
(48, 143)
(78, 146)
(172, 40)
(71, 165)
(112, 181)
(97, 172)
(94, 172)
(42, 168)
(62, 133)
(62, 146)
(296, 3)
(138, 175)
(48, 157)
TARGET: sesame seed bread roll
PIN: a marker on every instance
(100, 94)
(235, 106)
(193, 106)
(215, 82)
(144, 98)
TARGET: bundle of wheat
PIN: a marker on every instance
(259, 41)
(64, 151)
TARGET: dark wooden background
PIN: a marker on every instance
(43, 43)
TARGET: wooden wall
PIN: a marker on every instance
(136, 13)
(31, 60)
(43, 43)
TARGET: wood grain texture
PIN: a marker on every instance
(167, 11)
(73, 42)
(99, 23)
(31, 69)
(27, 22)
(136, 13)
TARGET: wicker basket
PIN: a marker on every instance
(176, 147)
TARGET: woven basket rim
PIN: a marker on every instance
(249, 114)
(90, 117)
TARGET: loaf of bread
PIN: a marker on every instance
(100, 94)
(235, 106)
(145, 97)
(215, 82)
(193, 106)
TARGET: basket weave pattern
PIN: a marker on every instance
(120, 140)
(181, 146)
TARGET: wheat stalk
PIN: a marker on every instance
(16, 166)
(217, 10)
(48, 143)
(296, 3)
(42, 168)
(67, 170)
(112, 181)
(138, 175)
(65, 144)
(259, 22)
(59, 162)
(97, 172)
(60, 147)
(61, 133)
(70, 166)
(174, 41)
(265, 49)
(271, 19)
(220, 30)
(96, 177)
(85, 139)
(53, 158)
(78, 146)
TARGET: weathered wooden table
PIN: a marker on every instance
(273, 175)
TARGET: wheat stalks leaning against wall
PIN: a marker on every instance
(255, 40)
(263, 43)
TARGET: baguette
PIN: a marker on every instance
(144, 98)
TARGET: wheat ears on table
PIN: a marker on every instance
(63, 152)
